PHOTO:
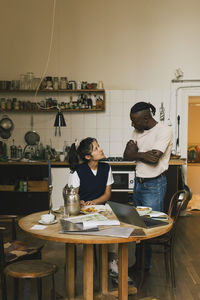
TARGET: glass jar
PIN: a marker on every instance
(21, 82)
(55, 83)
(8, 104)
(63, 83)
(49, 83)
(30, 76)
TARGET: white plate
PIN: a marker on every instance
(41, 222)
(91, 209)
(143, 210)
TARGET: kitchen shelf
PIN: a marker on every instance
(35, 198)
(33, 106)
(55, 91)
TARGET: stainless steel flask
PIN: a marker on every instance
(71, 200)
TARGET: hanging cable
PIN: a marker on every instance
(50, 48)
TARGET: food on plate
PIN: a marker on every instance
(142, 208)
(89, 210)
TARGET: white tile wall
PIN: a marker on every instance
(112, 128)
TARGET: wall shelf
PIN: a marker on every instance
(81, 102)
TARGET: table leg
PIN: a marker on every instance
(123, 272)
(88, 272)
(104, 268)
(70, 270)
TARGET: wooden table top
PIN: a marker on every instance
(51, 232)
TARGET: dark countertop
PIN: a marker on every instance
(177, 162)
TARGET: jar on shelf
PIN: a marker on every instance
(55, 83)
(8, 104)
(22, 82)
(30, 76)
(3, 103)
(49, 83)
(63, 83)
(15, 104)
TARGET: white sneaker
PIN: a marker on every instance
(113, 268)
(130, 281)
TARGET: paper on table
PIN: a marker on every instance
(91, 224)
(123, 232)
(38, 227)
(157, 214)
(95, 217)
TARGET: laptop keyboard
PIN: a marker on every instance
(152, 222)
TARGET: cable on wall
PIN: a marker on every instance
(50, 48)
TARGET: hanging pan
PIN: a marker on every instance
(5, 134)
(6, 123)
(32, 137)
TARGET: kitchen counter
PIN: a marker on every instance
(175, 162)
(35, 173)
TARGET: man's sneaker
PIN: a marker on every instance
(130, 281)
(113, 269)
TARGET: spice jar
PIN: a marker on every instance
(3, 103)
(8, 104)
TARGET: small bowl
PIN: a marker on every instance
(47, 218)
(143, 210)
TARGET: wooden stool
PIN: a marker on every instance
(28, 269)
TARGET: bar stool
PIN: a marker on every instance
(29, 269)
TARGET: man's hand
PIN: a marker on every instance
(152, 156)
(130, 150)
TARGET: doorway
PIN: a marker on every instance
(193, 165)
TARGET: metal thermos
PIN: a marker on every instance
(71, 200)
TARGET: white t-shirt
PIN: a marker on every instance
(160, 137)
(74, 179)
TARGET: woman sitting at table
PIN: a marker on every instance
(93, 179)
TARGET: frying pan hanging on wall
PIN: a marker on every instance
(6, 123)
(5, 134)
(32, 137)
(6, 126)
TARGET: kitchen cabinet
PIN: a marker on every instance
(23, 188)
(87, 100)
(13, 201)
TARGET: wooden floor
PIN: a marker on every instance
(187, 266)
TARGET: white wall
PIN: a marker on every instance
(129, 44)
(132, 46)
(112, 128)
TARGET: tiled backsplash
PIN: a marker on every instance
(112, 128)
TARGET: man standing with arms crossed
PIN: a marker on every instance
(150, 147)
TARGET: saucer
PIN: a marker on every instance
(41, 222)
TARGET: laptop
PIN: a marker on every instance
(128, 214)
(68, 227)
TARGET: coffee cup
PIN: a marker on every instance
(47, 218)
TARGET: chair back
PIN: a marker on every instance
(176, 204)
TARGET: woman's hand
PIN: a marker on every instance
(82, 203)
(90, 202)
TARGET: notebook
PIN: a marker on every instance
(68, 227)
(128, 214)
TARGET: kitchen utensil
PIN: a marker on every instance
(5, 134)
(6, 123)
(32, 137)
(59, 122)
(71, 200)
(178, 123)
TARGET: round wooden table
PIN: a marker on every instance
(52, 233)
